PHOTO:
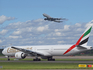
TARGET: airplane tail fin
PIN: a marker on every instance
(82, 42)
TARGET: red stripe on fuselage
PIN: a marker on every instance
(74, 45)
(70, 49)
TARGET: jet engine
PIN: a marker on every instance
(45, 18)
(20, 55)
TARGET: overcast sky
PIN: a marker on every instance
(21, 21)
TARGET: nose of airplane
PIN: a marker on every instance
(3, 52)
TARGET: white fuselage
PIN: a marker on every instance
(46, 50)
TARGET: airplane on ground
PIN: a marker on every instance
(48, 51)
(53, 19)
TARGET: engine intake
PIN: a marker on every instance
(20, 55)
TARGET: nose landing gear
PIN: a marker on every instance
(8, 58)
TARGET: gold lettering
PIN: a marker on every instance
(8, 50)
(31, 48)
(28, 48)
(11, 50)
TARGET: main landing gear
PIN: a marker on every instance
(50, 59)
(37, 59)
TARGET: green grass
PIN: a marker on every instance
(27, 65)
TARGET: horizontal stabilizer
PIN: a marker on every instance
(81, 47)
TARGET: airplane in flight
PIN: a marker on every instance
(53, 19)
(48, 51)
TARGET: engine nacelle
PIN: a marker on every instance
(20, 55)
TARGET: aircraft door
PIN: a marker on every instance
(35, 49)
(51, 49)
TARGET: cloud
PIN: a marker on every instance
(40, 32)
(59, 42)
(3, 32)
(17, 32)
(42, 28)
(89, 24)
(78, 24)
(66, 27)
(4, 18)
(15, 37)
(79, 29)
(1, 41)
(58, 33)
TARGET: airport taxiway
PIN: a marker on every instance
(56, 57)
(61, 57)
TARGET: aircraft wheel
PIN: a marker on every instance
(51, 59)
(36, 59)
(39, 59)
(8, 59)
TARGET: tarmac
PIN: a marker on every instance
(61, 57)
(56, 57)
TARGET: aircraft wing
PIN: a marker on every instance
(60, 18)
(58, 21)
(57, 18)
(28, 51)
